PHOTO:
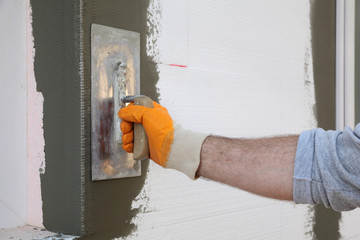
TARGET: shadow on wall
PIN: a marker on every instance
(323, 17)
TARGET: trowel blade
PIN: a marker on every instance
(115, 72)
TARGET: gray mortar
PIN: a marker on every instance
(72, 203)
(56, 39)
(323, 17)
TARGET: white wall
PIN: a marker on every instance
(13, 109)
(249, 74)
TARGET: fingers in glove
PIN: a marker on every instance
(133, 113)
(128, 147)
(126, 126)
(128, 138)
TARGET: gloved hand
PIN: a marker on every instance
(170, 146)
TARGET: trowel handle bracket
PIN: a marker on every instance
(141, 144)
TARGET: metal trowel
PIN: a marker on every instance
(115, 81)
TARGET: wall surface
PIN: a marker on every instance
(56, 67)
(13, 108)
(249, 73)
(235, 68)
(108, 209)
(248, 69)
(62, 66)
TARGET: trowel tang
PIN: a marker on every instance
(141, 144)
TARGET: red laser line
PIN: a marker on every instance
(177, 65)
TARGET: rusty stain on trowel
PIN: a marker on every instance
(115, 73)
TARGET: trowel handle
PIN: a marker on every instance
(141, 144)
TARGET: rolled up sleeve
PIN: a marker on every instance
(327, 168)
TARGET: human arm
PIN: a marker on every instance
(316, 167)
(319, 166)
(264, 166)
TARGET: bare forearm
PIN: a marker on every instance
(262, 166)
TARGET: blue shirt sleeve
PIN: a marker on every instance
(327, 168)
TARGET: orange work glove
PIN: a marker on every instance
(170, 146)
(157, 124)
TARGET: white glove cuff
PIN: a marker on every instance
(185, 151)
